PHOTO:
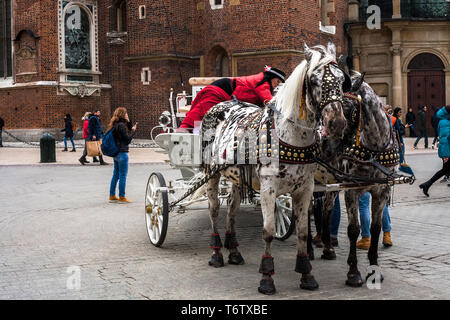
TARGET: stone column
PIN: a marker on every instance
(396, 9)
(396, 76)
(356, 64)
(353, 10)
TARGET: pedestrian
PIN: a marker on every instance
(257, 89)
(434, 125)
(421, 127)
(2, 124)
(68, 129)
(96, 132)
(364, 216)
(443, 148)
(123, 134)
(400, 129)
(335, 220)
(410, 122)
(85, 120)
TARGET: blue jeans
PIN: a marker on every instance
(402, 151)
(119, 174)
(71, 140)
(335, 218)
(364, 215)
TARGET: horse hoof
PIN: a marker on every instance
(354, 280)
(216, 261)
(370, 274)
(267, 287)
(236, 258)
(308, 283)
(329, 254)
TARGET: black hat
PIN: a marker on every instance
(275, 72)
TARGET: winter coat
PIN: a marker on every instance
(95, 128)
(68, 128)
(86, 128)
(244, 88)
(248, 90)
(121, 135)
(444, 132)
(421, 121)
(400, 127)
(435, 122)
(410, 118)
(2, 124)
(207, 98)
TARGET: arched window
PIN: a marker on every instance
(222, 69)
(78, 47)
(77, 38)
(5, 39)
(121, 16)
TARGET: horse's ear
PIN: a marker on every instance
(331, 48)
(358, 82)
(307, 51)
(342, 61)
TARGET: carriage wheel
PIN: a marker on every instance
(156, 209)
(284, 218)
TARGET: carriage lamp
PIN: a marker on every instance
(164, 119)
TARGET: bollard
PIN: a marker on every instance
(48, 146)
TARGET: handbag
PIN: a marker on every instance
(93, 148)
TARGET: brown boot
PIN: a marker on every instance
(113, 198)
(123, 200)
(317, 241)
(387, 241)
(364, 243)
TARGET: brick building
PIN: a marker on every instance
(72, 56)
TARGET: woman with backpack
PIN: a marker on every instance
(123, 134)
(68, 129)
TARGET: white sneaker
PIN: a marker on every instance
(444, 180)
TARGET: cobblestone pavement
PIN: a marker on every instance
(56, 223)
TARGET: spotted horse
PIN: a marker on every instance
(273, 148)
(369, 151)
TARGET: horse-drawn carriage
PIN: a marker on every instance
(184, 154)
(310, 103)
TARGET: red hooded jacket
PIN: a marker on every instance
(246, 90)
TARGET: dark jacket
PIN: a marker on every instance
(400, 127)
(95, 127)
(68, 128)
(421, 121)
(410, 118)
(435, 122)
(2, 123)
(121, 135)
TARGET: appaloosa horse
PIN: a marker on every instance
(274, 148)
(369, 136)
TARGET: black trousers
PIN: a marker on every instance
(445, 171)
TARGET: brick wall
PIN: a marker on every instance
(189, 30)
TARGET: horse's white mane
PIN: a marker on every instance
(287, 100)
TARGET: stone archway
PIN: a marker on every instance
(426, 84)
(218, 63)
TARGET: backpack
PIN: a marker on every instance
(109, 146)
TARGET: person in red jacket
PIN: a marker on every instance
(85, 120)
(256, 89)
